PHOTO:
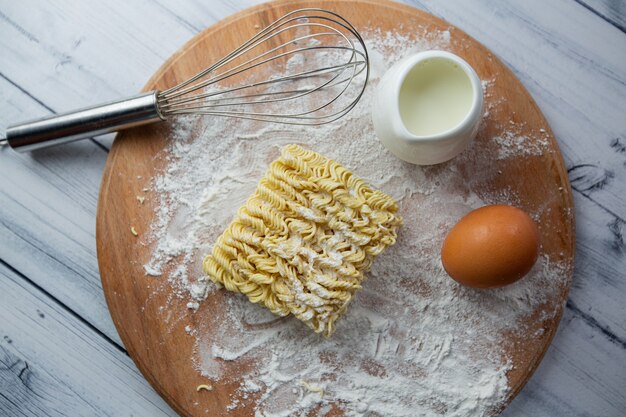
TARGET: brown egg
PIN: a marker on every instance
(491, 247)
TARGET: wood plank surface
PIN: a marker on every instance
(53, 364)
(611, 11)
(568, 57)
(47, 227)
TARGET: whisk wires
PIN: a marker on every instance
(317, 94)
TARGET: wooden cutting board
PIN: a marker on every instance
(164, 354)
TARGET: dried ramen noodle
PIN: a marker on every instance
(302, 242)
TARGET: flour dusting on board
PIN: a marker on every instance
(413, 342)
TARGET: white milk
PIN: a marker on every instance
(427, 107)
(435, 97)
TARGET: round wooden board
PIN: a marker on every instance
(163, 352)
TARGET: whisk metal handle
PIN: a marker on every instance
(80, 124)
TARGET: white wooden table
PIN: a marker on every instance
(59, 352)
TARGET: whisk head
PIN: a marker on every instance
(309, 67)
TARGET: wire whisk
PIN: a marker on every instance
(308, 67)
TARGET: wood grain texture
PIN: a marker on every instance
(569, 59)
(134, 305)
(39, 378)
(611, 11)
(48, 206)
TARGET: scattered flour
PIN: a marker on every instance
(512, 144)
(413, 341)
